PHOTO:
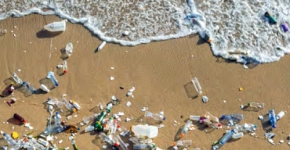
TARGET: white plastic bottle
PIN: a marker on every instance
(280, 115)
(194, 118)
(102, 45)
(75, 104)
(56, 26)
(44, 88)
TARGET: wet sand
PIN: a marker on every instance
(159, 71)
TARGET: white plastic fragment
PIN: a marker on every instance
(128, 103)
(112, 78)
(205, 99)
(60, 141)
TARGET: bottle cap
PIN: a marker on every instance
(64, 71)
(79, 128)
(174, 144)
(223, 117)
(74, 110)
(24, 121)
(116, 144)
(181, 135)
(56, 113)
(249, 103)
(164, 118)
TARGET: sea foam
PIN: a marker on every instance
(238, 27)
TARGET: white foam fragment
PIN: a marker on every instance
(112, 78)
(128, 103)
(60, 141)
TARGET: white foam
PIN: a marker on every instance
(237, 27)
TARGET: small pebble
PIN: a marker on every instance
(181, 116)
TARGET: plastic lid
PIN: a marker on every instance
(223, 117)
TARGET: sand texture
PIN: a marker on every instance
(161, 72)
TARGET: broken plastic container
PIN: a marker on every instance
(144, 131)
(59, 26)
(246, 127)
(194, 118)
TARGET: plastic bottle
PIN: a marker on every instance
(121, 142)
(52, 77)
(43, 142)
(69, 49)
(285, 27)
(75, 104)
(19, 118)
(194, 118)
(106, 138)
(197, 85)
(272, 118)
(185, 128)
(233, 118)
(141, 146)
(237, 135)
(74, 145)
(226, 137)
(10, 141)
(185, 143)
(98, 124)
(246, 127)
(280, 115)
(89, 128)
(67, 104)
(102, 45)
(44, 88)
(56, 26)
(154, 116)
(256, 105)
(144, 131)
(16, 79)
(28, 87)
(271, 18)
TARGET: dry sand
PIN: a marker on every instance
(159, 71)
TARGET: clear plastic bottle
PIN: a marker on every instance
(106, 138)
(69, 49)
(121, 142)
(28, 87)
(197, 85)
(67, 104)
(52, 77)
(185, 143)
(36, 144)
(226, 137)
(185, 128)
(154, 116)
(141, 146)
(194, 118)
(11, 142)
(233, 118)
(256, 105)
(246, 127)
(272, 118)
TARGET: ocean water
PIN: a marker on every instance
(238, 28)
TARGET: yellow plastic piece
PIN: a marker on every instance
(14, 135)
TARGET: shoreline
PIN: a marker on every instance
(158, 70)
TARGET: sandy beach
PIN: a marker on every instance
(159, 71)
